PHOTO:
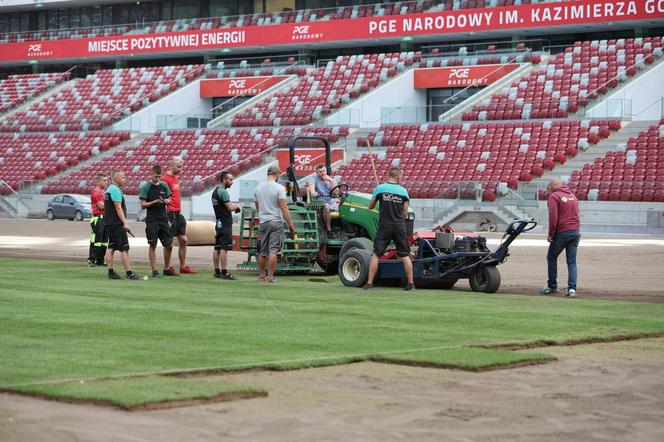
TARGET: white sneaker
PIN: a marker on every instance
(570, 293)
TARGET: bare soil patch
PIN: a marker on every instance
(610, 391)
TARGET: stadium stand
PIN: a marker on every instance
(326, 89)
(433, 156)
(17, 89)
(246, 69)
(100, 99)
(205, 151)
(633, 173)
(25, 157)
(570, 80)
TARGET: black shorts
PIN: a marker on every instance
(117, 238)
(158, 230)
(178, 223)
(223, 239)
(388, 233)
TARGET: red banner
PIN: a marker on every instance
(461, 76)
(307, 159)
(231, 87)
(447, 22)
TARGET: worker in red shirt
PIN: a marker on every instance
(564, 234)
(177, 221)
(98, 237)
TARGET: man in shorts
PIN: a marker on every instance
(272, 211)
(319, 187)
(115, 216)
(154, 197)
(178, 221)
(98, 236)
(223, 212)
(393, 211)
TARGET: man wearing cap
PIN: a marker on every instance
(272, 212)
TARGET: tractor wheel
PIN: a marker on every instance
(354, 268)
(356, 243)
(486, 279)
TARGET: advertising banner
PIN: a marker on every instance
(461, 76)
(306, 159)
(432, 23)
(245, 86)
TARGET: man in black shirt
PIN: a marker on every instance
(393, 211)
(154, 197)
(223, 208)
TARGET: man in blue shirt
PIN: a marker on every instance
(320, 186)
(393, 211)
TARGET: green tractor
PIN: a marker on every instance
(353, 226)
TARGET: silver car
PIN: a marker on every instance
(72, 207)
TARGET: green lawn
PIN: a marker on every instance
(62, 323)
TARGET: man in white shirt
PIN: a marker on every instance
(272, 211)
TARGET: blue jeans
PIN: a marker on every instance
(567, 240)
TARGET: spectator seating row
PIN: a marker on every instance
(26, 157)
(17, 89)
(570, 80)
(100, 99)
(246, 69)
(324, 90)
(206, 152)
(434, 155)
(633, 173)
(488, 55)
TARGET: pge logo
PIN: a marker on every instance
(35, 48)
(460, 73)
(38, 50)
(304, 33)
(302, 160)
(238, 84)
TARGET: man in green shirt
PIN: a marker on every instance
(154, 197)
(223, 209)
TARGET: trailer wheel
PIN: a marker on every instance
(486, 279)
(356, 243)
(354, 268)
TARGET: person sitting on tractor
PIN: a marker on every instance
(319, 187)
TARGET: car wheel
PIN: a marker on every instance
(50, 215)
(78, 216)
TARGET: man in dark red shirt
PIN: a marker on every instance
(176, 219)
(98, 239)
(564, 234)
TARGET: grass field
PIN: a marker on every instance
(69, 332)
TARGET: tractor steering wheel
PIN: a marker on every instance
(340, 191)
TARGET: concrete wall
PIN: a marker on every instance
(186, 100)
(644, 95)
(366, 110)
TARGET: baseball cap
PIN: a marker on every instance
(274, 170)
